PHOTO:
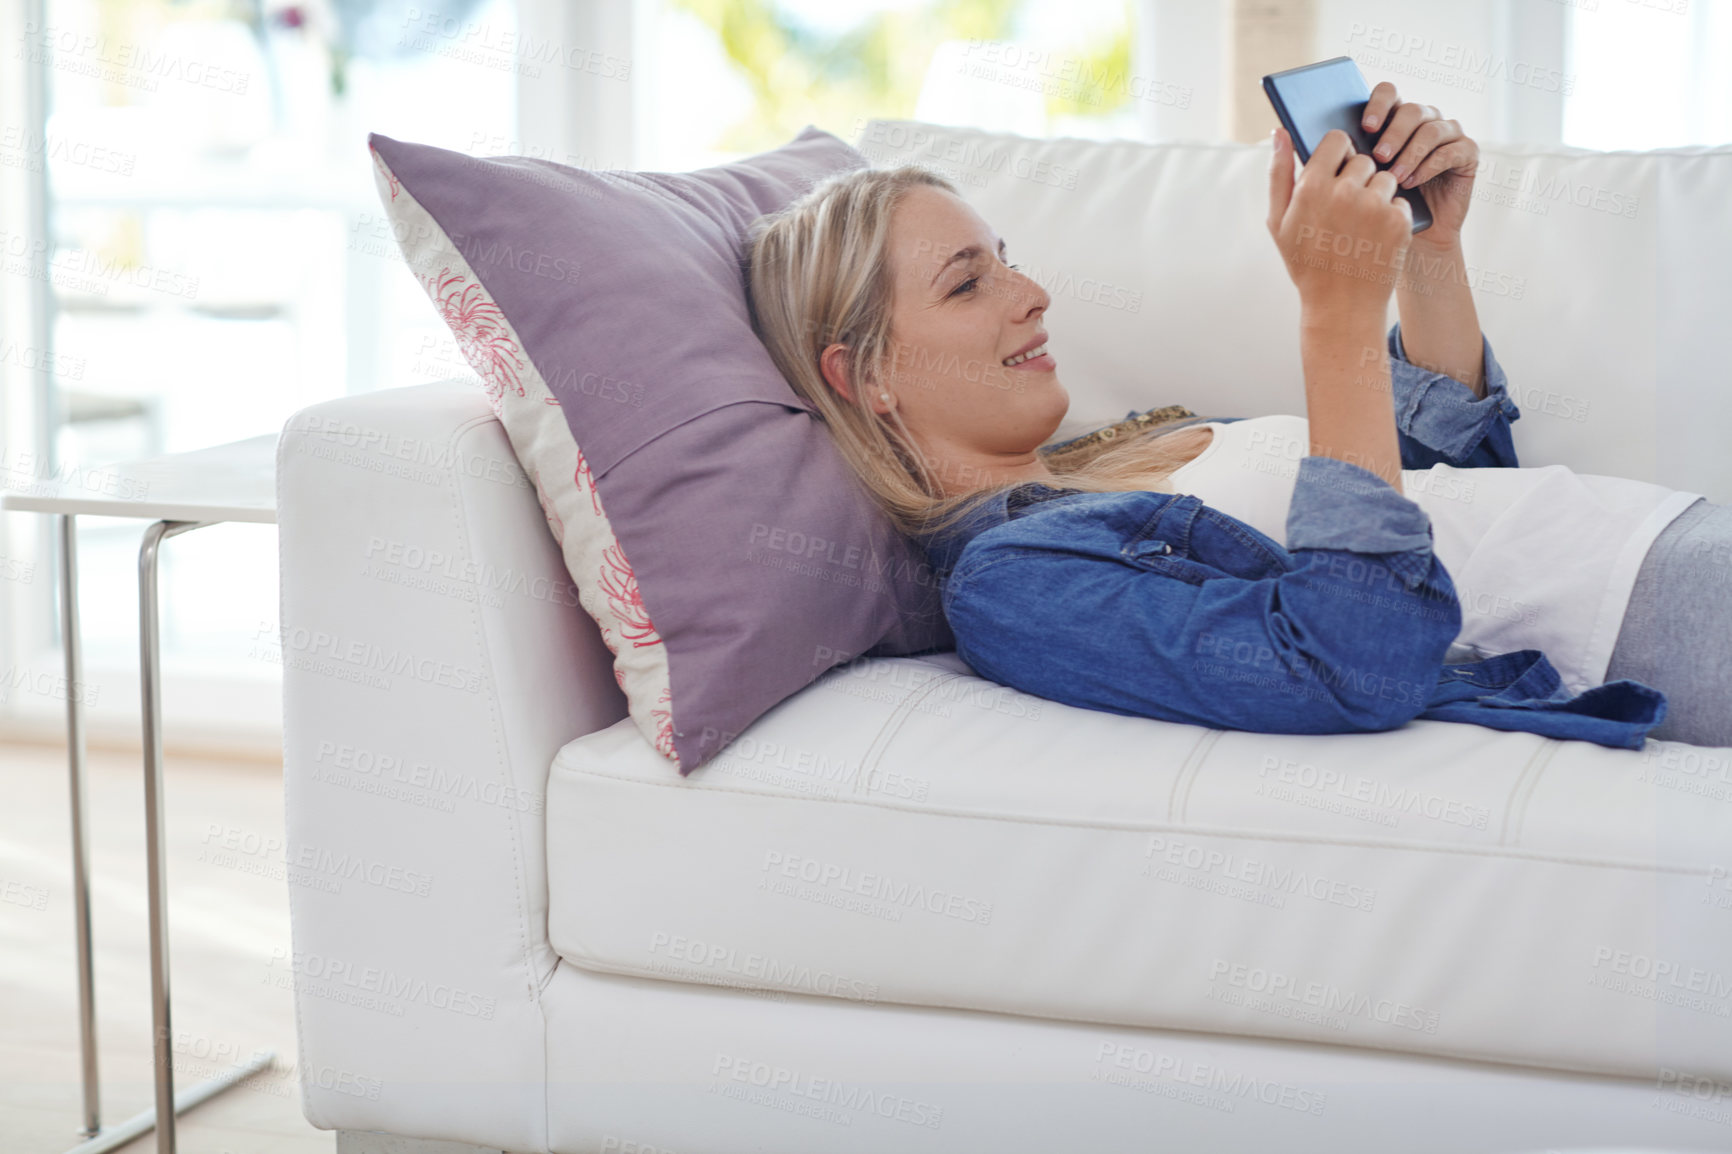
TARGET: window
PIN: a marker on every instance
(741, 77)
(214, 260)
(1650, 74)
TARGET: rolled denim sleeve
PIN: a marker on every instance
(1338, 505)
(1438, 420)
(1316, 641)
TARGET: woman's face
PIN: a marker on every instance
(958, 313)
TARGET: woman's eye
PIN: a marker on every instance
(969, 285)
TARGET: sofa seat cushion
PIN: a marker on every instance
(904, 831)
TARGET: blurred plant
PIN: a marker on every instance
(350, 29)
(1104, 75)
(799, 77)
(375, 29)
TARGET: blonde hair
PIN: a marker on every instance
(819, 274)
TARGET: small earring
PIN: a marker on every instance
(884, 396)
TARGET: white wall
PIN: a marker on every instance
(1184, 43)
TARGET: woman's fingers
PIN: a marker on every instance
(1427, 139)
(1460, 153)
(1340, 235)
(1384, 185)
(1402, 124)
(1280, 179)
(1359, 169)
(1383, 98)
(1326, 159)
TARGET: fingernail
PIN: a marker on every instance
(1399, 172)
(1371, 122)
(1383, 152)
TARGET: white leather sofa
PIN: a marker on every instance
(913, 910)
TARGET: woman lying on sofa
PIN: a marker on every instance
(1423, 572)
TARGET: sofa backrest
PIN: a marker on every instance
(1603, 280)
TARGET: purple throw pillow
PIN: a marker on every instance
(713, 530)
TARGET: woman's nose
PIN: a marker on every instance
(1030, 299)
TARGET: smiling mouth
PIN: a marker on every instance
(1013, 361)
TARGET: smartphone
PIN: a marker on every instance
(1331, 94)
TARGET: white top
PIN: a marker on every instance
(1542, 558)
(232, 482)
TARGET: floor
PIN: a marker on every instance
(228, 911)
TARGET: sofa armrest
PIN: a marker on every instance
(435, 658)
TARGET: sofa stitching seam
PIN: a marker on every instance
(892, 726)
(502, 754)
(1515, 810)
(1211, 831)
(594, 966)
(526, 947)
(1179, 800)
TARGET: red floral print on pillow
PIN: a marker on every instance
(390, 177)
(663, 713)
(480, 330)
(584, 479)
(554, 521)
(620, 584)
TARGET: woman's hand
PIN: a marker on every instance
(1439, 324)
(1344, 235)
(1339, 225)
(1430, 153)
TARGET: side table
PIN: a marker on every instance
(179, 492)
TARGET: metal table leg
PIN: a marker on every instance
(150, 678)
(168, 1103)
(142, 1122)
(72, 643)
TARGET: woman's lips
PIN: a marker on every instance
(1041, 364)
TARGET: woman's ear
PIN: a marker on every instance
(833, 363)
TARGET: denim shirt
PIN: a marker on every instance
(1156, 605)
